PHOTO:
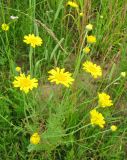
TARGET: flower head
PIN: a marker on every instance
(5, 27)
(93, 69)
(25, 83)
(86, 50)
(97, 118)
(91, 39)
(18, 69)
(123, 74)
(104, 100)
(72, 4)
(33, 40)
(35, 138)
(89, 27)
(113, 128)
(81, 14)
(59, 76)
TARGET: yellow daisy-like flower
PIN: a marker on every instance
(89, 27)
(93, 69)
(5, 27)
(91, 39)
(97, 118)
(104, 100)
(86, 50)
(72, 4)
(33, 40)
(59, 76)
(25, 83)
(18, 69)
(113, 128)
(35, 138)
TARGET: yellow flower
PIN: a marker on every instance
(123, 74)
(113, 128)
(60, 77)
(93, 69)
(81, 14)
(72, 4)
(18, 69)
(25, 83)
(97, 118)
(104, 100)
(86, 50)
(89, 27)
(35, 138)
(91, 39)
(33, 40)
(5, 27)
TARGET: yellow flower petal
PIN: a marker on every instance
(86, 50)
(33, 40)
(5, 27)
(35, 138)
(113, 128)
(59, 76)
(93, 69)
(72, 4)
(18, 69)
(25, 83)
(91, 39)
(97, 118)
(104, 100)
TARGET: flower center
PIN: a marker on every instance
(61, 77)
(25, 82)
(92, 69)
(32, 40)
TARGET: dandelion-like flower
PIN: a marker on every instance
(5, 27)
(91, 39)
(72, 4)
(33, 40)
(113, 128)
(89, 27)
(59, 76)
(104, 100)
(86, 50)
(97, 118)
(25, 83)
(93, 69)
(35, 138)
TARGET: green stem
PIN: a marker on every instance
(11, 124)
(32, 8)
(31, 61)
(120, 90)
(80, 57)
(112, 83)
(25, 109)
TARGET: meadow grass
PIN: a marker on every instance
(60, 115)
